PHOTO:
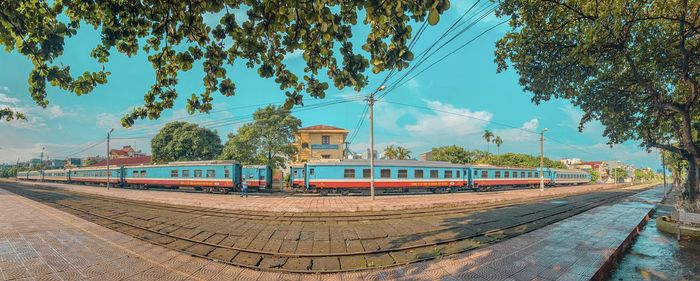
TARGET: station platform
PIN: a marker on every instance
(305, 203)
(38, 242)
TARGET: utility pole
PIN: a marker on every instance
(542, 159)
(41, 162)
(370, 102)
(108, 135)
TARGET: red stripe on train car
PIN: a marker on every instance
(508, 182)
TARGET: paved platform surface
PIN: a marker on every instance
(313, 203)
(38, 242)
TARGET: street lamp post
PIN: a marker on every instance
(108, 135)
(370, 102)
(41, 162)
(542, 159)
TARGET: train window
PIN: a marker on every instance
(484, 174)
(296, 173)
(227, 174)
(136, 174)
(366, 173)
(537, 174)
(498, 174)
(448, 174)
(349, 173)
(197, 173)
(457, 173)
(185, 173)
(506, 174)
(402, 174)
(475, 172)
(522, 174)
(211, 174)
(311, 172)
(529, 174)
(385, 173)
(143, 173)
(418, 174)
(173, 173)
(433, 174)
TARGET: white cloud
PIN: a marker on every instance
(4, 98)
(412, 84)
(523, 133)
(56, 111)
(107, 120)
(446, 120)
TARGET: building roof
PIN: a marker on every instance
(125, 161)
(321, 128)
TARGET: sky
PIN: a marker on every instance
(451, 103)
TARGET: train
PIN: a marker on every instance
(208, 176)
(353, 176)
(343, 177)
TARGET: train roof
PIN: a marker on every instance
(399, 163)
(571, 171)
(186, 163)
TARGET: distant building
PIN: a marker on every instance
(366, 154)
(129, 161)
(72, 162)
(90, 160)
(125, 152)
(570, 162)
(34, 162)
(319, 142)
(55, 163)
(426, 156)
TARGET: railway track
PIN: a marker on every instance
(222, 236)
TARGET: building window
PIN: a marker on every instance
(325, 139)
(385, 173)
(197, 173)
(305, 145)
(402, 174)
(326, 156)
(506, 174)
(349, 173)
(185, 173)
(366, 173)
(498, 174)
(173, 173)
(448, 174)
(227, 173)
(418, 174)
(211, 174)
(433, 174)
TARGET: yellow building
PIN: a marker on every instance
(320, 142)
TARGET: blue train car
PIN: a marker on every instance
(570, 177)
(390, 175)
(257, 177)
(486, 177)
(210, 176)
(58, 175)
(297, 176)
(23, 175)
(96, 175)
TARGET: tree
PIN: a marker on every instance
(397, 153)
(632, 65)
(595, 176)
(498, 141)
(8, 114)
(677, 165)
(520, 160)
(269, 139)
(488, 136)
(90, 161)
(182, 141)
(456, 154)
(619, 174)
(175, 36)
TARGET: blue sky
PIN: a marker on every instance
(465, 83)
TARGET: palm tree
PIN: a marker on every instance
(488, 136)
(402, 153)
(498, 141)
